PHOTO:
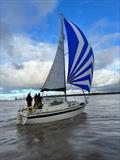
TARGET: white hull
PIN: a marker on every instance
(51, 115)
(55, 117)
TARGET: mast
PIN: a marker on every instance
(62, 39)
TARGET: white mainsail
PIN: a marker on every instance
(56, 77)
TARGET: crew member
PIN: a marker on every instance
(29, 100)
(35, 100)
(39, 98)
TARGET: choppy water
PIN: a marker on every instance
(95, 135)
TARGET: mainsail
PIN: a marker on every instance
(81, 58)
(56, 77)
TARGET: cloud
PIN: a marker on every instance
(26, 13)
(32, 75)
(115, 65)
(5, 40)
(31, 62)
(106, 77)
(102, 41)
(102, 23)
(106, 57)
(18, 66)
(105, 44)
(22, 48)
(27, 63)
(27, 48)
(5, 34)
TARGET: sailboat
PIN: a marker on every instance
(80, 74)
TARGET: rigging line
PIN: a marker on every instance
(74, 97)
(85, 96)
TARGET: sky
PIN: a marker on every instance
(29, 32)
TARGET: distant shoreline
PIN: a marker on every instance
(69, 95)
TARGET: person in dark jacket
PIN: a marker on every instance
(35, 100)
(39, 98)
(29, 100)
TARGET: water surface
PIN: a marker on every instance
(94, 135)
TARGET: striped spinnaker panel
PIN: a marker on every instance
(81, 58)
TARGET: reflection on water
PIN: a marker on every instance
(51, 139)
(93, 135)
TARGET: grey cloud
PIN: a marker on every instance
(5, 36)
(17, 49)
(26, 13)
(105, 46)
(31, 74)
(109, 88)
(18, 66)
(11, 50)
(106, 57)
(7, 51)
(105, 41)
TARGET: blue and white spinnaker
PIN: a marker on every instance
(81, 58)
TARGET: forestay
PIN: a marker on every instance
(81, 58)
